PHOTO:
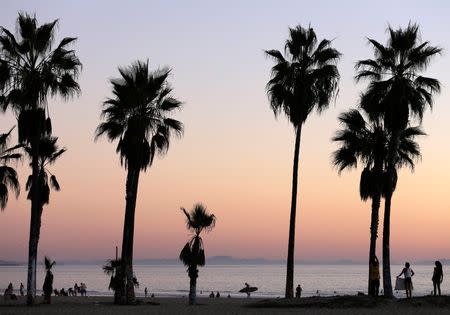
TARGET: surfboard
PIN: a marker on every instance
(248, 289)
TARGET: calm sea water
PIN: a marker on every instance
(172, 280)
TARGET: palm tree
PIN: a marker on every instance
(49, 152)
(398, 92)
(193, 253)
(8, 175)
(368, 142)
(137, 116)
(32, 69)
(114, 269)
(48, 281)
(306, 78)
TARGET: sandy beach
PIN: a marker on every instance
(341, 305)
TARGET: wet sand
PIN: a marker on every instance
(339, 305)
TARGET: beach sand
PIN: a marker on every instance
(341, 305)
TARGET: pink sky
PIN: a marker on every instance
(235, 157)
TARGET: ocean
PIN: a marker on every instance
(172, 280)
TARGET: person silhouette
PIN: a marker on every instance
(21, 289)
(374, 276)
(438, 276)
(409, 273)
(298, 291)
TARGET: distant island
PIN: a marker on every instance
(226, 260)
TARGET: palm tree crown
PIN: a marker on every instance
(396, 89)
(305, 78)
(8, 175)
(368, 141)
(49, 152)
(137, 115)
(30, 68)
(197, 220)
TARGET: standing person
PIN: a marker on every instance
(145, 292)
(374, 276)
(21, 289)
(298, 291)
(76, 289)
(438, 276)
(83, 289)
(409, 273)
(247, 286)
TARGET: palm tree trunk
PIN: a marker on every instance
(392, 158)
(373, 236)
(193, 285)
(387, 282)
(128, 231)
(35, 222)
(291, 245)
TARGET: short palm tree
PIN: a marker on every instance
(47, 288)
(303, 80)
(368, 142)
(138, 117)
(193, 253)
(32, 69)
(8, 175)
(398, 92)
(115, 269)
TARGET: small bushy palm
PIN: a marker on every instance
(47, 288)
(193, 253)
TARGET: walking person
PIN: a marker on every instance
(374, 276)
(22, 289)
(438, 276)
(409, 273)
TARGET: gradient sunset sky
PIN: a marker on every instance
(235, 157)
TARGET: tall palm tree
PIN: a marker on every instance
(398, 92)
(368, 142)
(137, 116)
(193, 253)
(304, 79)
(32, 69)
(8, 175)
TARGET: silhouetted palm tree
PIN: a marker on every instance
(137, 116)
(8, 175)
(193, 253)
(47, 288)
(398, 93)
(49, 152)
(31, 70)
(115, 269)
(368, 142)
(305, 79)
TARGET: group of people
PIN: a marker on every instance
(9, 292)
(408, 273)
(77, 289)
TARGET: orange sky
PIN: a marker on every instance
(235, 157)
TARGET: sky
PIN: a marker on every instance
(234, 156)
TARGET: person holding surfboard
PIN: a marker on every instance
(248, 289)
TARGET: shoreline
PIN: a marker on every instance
(218, 306)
